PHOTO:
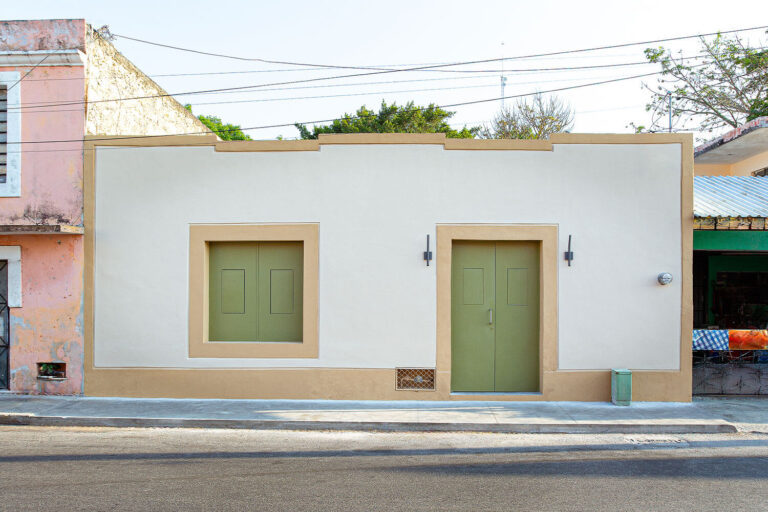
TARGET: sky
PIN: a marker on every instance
(397, 34)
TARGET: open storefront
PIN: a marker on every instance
(730, 286)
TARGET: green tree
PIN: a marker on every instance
(724, 88)
(392, 118)
(537, 118)
(224, 131)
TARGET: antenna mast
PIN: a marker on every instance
(503, 78)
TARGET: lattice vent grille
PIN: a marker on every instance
(415, 378)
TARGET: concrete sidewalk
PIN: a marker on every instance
(701, 416)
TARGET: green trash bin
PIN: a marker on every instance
(621, 387)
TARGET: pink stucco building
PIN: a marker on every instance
(60, 81)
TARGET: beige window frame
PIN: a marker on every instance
(200, 237)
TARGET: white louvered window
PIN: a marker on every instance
(10, 134)
(3, 132)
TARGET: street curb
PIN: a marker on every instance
(372, 426)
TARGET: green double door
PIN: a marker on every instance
(495, 316)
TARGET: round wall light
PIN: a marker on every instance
(664, 278)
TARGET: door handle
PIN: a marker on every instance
(490, 318)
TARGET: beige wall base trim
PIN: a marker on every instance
(359, 384)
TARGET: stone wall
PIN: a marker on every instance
(111, 76)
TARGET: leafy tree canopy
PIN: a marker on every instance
(224, 131)
(537, 118)
(392, 118)
(725, 87)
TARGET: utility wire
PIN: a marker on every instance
(380, 71)
(455, 124)
(299, 70)
(416, 109)
(357, 84)
(492, 71)
(371, 93)
(409, 69)
(262, 100)
(564, 52)
(27, 73)
(333, 66)
(244, 88)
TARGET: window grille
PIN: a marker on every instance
(3, 132)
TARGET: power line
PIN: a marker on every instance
(263, 100)
(410, 69)
(334, 66)
(289, 98)
(357, 84)
(370, 72)
(491, 71)
(245, 88)
(383, 71)
(295, 70)
(346, 95)
(27, 73)
(282, 125)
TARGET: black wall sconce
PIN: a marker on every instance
(427, 253)
(569, 252)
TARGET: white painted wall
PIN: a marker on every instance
(375, 205)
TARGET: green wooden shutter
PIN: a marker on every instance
(233, 297)
(256, 291)
(281, 287)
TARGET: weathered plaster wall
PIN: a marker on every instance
(111, 76)
(32, 35)
(49, 326)
(51, 174)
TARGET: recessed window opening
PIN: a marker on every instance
(52, 370)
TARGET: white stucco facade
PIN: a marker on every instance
(375, 204)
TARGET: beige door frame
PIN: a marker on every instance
(546, 235)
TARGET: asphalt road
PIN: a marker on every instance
(63, 469)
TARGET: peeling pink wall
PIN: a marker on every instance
(49, 326)
(30, 35)
(51, 174)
